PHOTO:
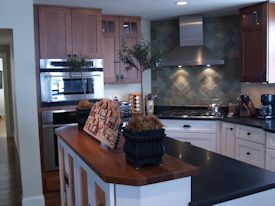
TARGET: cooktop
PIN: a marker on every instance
(205, 114)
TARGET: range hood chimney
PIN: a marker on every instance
(191, 52)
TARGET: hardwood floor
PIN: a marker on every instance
(10, 183)
(52, 198)
(3, 133)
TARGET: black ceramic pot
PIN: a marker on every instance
(142, 148)
(81, 117)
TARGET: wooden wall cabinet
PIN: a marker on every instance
(117, 29)
(256, 43)
(64, 31)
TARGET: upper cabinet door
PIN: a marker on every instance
(110, 47)
(86, 32)
(130, 33)
(55, 32)
(253, 32)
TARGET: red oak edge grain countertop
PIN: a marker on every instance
(111, 165)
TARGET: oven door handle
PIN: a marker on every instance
(63, 125)
(57, 125)
(72, 76)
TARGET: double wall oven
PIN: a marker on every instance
(58, 85)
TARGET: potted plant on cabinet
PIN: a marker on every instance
(78, 63)
(143, 140)
(141, 56)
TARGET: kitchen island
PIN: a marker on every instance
(112, 181)
(92, 174)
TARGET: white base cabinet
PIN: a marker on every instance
(227, 139)
(250, 145)
(270, 151)
(270, 159)
(250, 152)
(199, 133)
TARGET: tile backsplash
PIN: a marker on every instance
(255, 90)
(198, 85)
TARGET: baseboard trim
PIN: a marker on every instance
(33, 201)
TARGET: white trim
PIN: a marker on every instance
(33, 201)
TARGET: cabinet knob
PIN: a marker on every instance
(248, 153)
(248, 133)
(186, 126)
(117, 77)
(231, 128)
(121, 77)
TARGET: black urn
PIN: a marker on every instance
(81, 117)
(144, 148)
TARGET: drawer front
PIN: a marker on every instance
(270, 140)
(196, 126)
(205, 141)
(270, 160)
(250, 133)
(250, 152)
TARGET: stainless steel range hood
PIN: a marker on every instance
(191, 52)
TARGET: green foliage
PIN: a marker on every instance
(141, 56)
(77, 63)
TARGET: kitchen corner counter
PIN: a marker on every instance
(220, 178)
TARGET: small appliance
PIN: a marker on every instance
(267, 110)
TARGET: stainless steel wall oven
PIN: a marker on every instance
(58, 84)
(50, 121)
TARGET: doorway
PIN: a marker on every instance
(3, 131)
(6, 103)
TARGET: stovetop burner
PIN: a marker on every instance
(188, 114)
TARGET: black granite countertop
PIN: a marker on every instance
(267, 125)
(220, 178)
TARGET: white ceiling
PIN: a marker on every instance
(160, 9)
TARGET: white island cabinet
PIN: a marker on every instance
(93, 175)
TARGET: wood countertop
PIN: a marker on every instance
(111, 165)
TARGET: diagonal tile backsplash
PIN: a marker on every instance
(198, 85)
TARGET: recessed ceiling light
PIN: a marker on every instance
(181, 3)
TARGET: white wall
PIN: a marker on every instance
(2, 103)
(18, 15)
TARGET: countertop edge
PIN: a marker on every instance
(233, 120)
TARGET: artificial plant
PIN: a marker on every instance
(141, 56)
(78, 63)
